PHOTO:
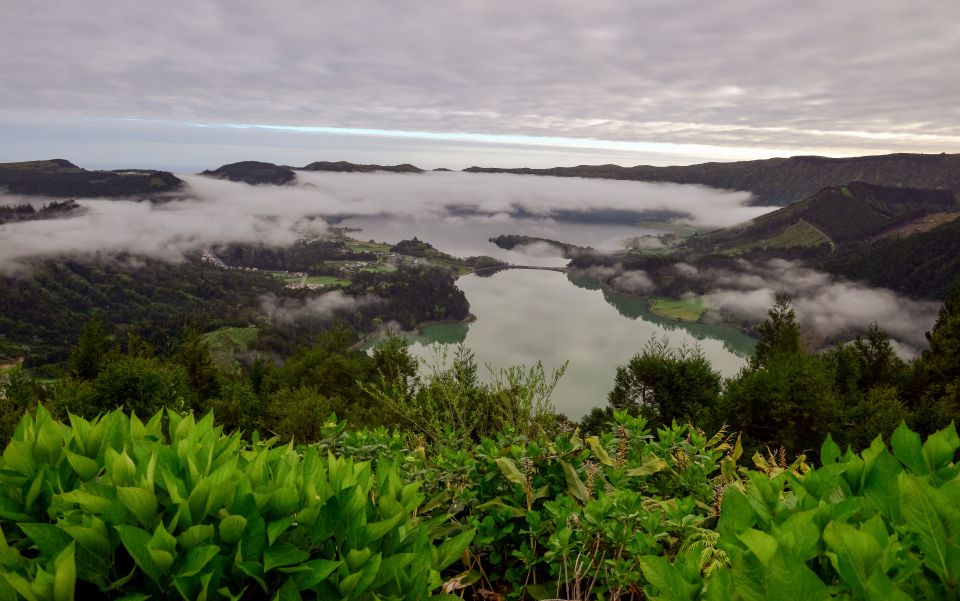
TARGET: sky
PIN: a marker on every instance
(186, 85)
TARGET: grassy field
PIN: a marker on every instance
(799, 234)
(370, 247)
(226, 342)
(683, 310)
(286, 277)
(327, 280)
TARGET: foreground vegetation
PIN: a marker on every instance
(807, 476)
(174, 508)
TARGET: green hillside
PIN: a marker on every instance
(61, 178)
(839, 216)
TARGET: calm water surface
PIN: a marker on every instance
(524, 316)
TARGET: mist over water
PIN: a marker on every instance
(458, 213)
(209, 211)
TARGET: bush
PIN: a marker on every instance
(117, 507)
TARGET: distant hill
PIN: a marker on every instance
(345, 167)
(253, 172)
(782, 181)
(61, 178)
(899, 238)
(836, 216)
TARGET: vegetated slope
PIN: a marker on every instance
(346, 167)
(844, 215)
(782, 181)
(923, 264)
(253, 172)
(876, 234)
(46, 306)
(61, 178)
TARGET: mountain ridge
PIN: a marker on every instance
(780, 181)
(62, 179)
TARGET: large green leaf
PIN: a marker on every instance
(666, 579)
(649, 466)
(791, 580)
(509, 470)
(856, 555)
(908, 450)
(451, 549)
(881, 486)
(760, 543)
(940, 447)
(141, 503)
(574, 484)
(283, 554)
(65, 575)
(922, 519)
(136, 541)
(599, 452)
(829, 451)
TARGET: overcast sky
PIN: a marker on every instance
(192, 84)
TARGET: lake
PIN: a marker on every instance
(525, 316)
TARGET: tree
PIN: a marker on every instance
(791, 402)
(92, 351)
(665, 384)
(936, 386)
(193, 355)
(141, 385)
(779, 334)
(879, 363)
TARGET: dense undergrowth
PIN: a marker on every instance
(174, 508)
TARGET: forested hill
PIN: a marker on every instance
(61, 178)
(899, 238)
(782, 181)
(253, 172)
(345, 167)
(836, 216)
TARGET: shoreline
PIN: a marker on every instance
(417, 329)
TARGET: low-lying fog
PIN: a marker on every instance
(223, 211)
(458, 212)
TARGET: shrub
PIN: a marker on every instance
(173, 508)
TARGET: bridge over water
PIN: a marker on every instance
(537, 267)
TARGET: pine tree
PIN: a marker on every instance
(779, 334)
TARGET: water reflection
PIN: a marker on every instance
(524, 316)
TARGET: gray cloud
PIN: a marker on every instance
(856, 76)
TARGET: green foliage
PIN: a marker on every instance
(664, 384)
(173, 508)
(779, 334)
(937, 371)
(94, 348)
(451, 399)
(879, 525)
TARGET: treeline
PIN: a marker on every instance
(27, 212)
(792, 398)
(45, 306)
(305, 255)
(43, 309)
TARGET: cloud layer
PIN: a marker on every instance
(221, 211)
(840, 77)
